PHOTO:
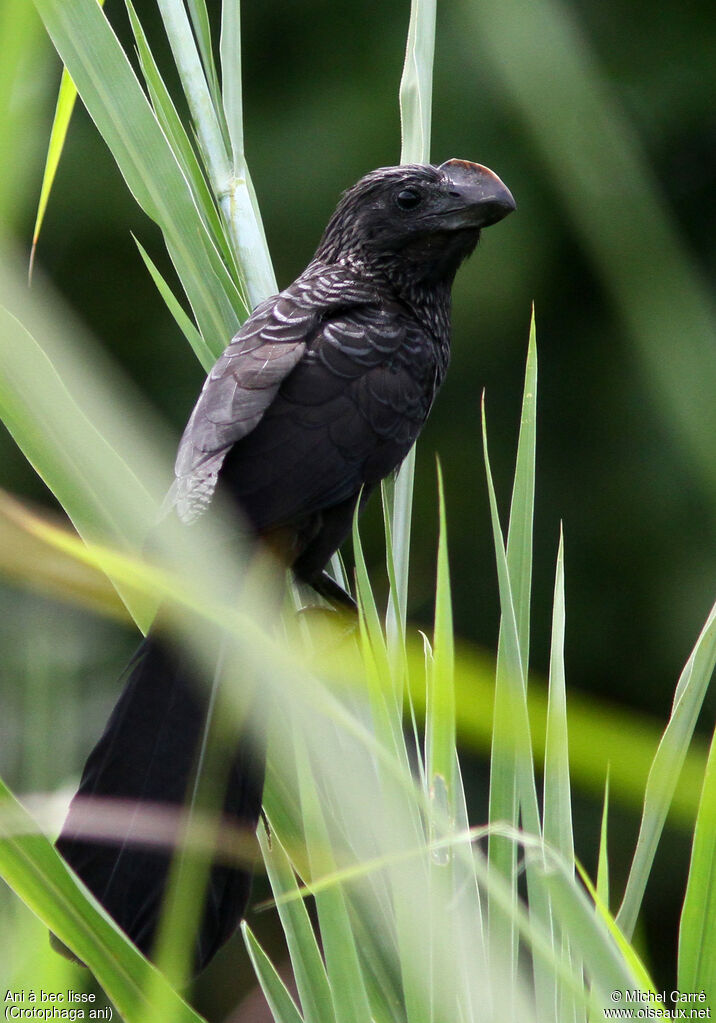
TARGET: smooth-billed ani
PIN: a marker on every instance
(319, 396)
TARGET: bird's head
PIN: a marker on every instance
(416, 220)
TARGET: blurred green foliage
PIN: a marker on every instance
(614, 459)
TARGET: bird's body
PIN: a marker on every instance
(320, 395)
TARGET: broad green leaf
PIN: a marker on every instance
(39, 876)
(697, 933)
(114, 98)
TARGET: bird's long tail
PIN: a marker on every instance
(148, 755)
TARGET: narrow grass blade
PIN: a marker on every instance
(231, 185)
(93, 56)
(282, 1006)
(230, 54)
(602, 885)
(180, 143)
(416, 84)
(514, 733)
(521, 526)
(440, 711)
(63, 113)
(416, 88)
(503, 769)
(697, 933)
(557, 804)
(557, 812)
(182, 320)
(607, 965)
(350, 998)
(202, 30)
(36, 872)
(667, 764)
(308, 967)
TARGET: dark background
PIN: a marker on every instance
(321, 82)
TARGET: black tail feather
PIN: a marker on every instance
(148, 754)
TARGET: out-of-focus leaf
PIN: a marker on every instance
(37, 873)
(28, 561)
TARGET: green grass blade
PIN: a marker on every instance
(521, 527)
(667, 764)
(348, 990)
(283, 1007)
(63, 113)
(181, 319)
(440, 711)
(416, 84)
(416, 88)
(230, 54)
(39, 876)
(308, 968)
(697, 933)
(178, 138)
(121, 111)
(609, 966)
(202, 30)
(557, 812)
(514, 734)
(557, 804)
(503, 772)
(603, 859)
(60, 124)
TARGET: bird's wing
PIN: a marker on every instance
(344, 418)
(246, 377)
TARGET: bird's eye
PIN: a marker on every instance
(408, 198)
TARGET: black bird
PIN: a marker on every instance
(319, 396)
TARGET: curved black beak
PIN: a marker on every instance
(480, 198)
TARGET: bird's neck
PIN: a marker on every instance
(428, 300)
